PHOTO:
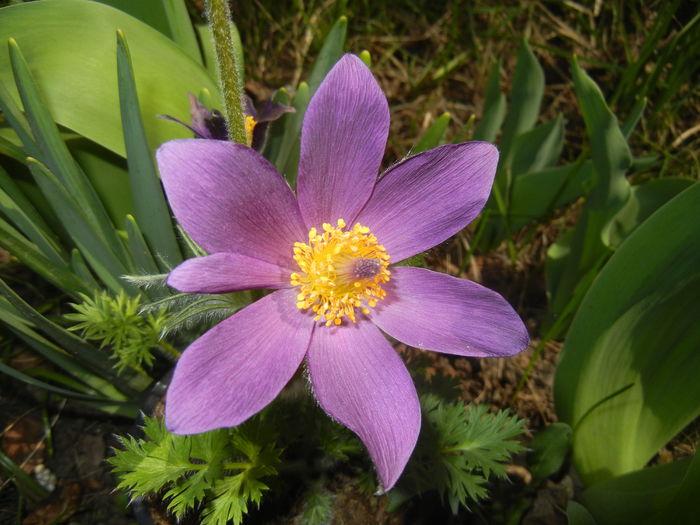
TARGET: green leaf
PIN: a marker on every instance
(645, 199)
(58, 390)
(538, 148)
(84, 352)
(78, 76)
(143, 258)
(22, 328)
(24, 482)
(27, 252)
(181, 28)
(54, 152)
(526, 97)
(151, 209)
(330, 53)
(636, 325)
(81, 269)
(633, 118)
(537, 194)
(96, 250)
(549, 447)
(636, 497)
(494, 107)
(18, 209)
(288, 156)
(684, 507)
(108, 174)
(577, 514)
(434, 136)
(590, 242)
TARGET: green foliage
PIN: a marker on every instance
(637, 326)
(459, 449)
(220, 470)
(117, 322)
(318, 506)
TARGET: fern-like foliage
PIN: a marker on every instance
(459, 449)
(218, 472)
(118, 323)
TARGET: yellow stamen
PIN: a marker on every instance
(340, 270)
(249, 127)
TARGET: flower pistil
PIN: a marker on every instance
(340, 270)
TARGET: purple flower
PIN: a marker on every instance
(327, 253)
(212, 124)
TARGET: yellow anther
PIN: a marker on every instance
(249, 127)
(340, 270)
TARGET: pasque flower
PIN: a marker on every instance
(327, 252)
(208, 124)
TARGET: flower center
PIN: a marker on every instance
(340, 270)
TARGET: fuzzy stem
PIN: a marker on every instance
(219, 19)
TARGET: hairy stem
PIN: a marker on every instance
(220, 20)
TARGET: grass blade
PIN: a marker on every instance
(434, 136)
(494, 107)
(151, 209)
(55, 153)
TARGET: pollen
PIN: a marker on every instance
(249, 123)
(341, 270)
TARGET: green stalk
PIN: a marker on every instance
(220, 21)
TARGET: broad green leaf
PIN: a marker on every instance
(684, 507)
(151, 209)
(538, 148)
(151, 12)
(494, 107)
(525, 99)
(77, 72)
(590, 241)
(537, 194)
(434, 136)
(577, 514)
(644, 200)
(637, 325)
(330, 53)
(635, 497)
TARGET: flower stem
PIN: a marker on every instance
(220, 20)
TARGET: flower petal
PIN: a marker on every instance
(361, 381)
(229, 198)
(227, 272)
(342, 143)
(434, 311)
(239, 366)
(427, 198)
